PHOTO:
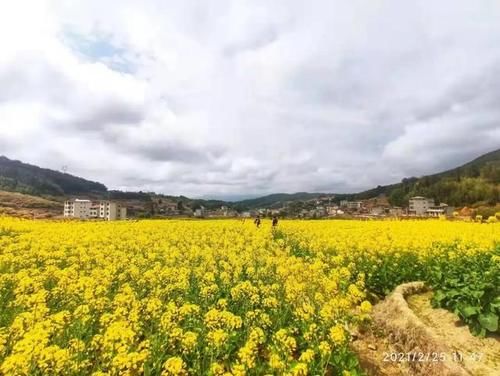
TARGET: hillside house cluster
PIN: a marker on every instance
(326, 207)
(222, 212)
(87, 209)
(376, 207)
(164, 206)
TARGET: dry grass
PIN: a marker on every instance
(408, 334)
(26, 206)
(409, 324)
(481, 356)
(371, 346)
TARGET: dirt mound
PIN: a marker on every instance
(371, 346)
(481, 356)
(409, 337)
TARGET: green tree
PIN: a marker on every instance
(397, 197)
(180, 206)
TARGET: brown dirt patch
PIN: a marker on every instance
(371, 347)
(409, 337)
(481, 356)
(27, 206)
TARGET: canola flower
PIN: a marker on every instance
(206, 297)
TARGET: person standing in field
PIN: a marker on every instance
(257, 221)
(275, 221)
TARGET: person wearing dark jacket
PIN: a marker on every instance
(257, 221)
(275, 221)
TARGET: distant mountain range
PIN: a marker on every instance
(476, 182)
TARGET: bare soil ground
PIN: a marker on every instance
(481, 356)
(27, 206)
(371, 347)
(409, 337)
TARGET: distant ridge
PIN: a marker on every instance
(276, 199)
(475, 182)
(16, 176)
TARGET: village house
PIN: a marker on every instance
(224, 211)
(320, 211)
(332, 210)
(441, 209)
(164, 206)
(352, 205)
(419, 205)
(396, 211)
(304, 213)
(87, 209)
(200, 212)
(378, 210)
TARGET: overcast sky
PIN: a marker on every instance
(242, 98)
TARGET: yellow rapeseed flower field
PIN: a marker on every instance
(213, 297)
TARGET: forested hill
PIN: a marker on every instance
(476, 182)
(21, 177)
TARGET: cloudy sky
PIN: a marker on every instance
(241, 98)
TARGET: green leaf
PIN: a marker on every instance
(477, 294)
(477, 330)
(468, 311)
(496, 302)
(439, 274)
(489, 321)
(439, 296)
(352, 362)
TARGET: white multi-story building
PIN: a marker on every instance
(355, 205)
(420, 205)
(78, 208)
(85, 209)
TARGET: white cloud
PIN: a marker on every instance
(234, 98)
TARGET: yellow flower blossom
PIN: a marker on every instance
(174, 367)
(112, 298)
(307, 356)
(337, 334)
(217, 338)
(365, 307)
